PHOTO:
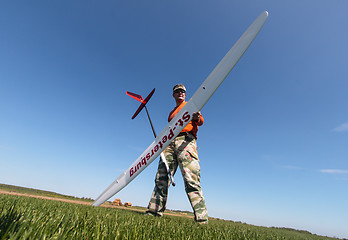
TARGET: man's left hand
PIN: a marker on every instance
(196, 116)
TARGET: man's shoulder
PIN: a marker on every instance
(175, 111)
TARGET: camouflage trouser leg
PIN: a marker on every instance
(158, 199)
(183, 152)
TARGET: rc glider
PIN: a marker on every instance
(195, 104)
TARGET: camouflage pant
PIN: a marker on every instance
(182, 152)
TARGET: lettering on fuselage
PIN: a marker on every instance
(144, 159)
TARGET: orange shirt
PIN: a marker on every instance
(192, 126)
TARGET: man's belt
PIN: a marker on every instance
(185, 134)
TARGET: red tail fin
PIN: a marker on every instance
(135, 96)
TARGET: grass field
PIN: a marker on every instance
(31, 218)
(37, 192)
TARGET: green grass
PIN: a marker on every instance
(31, 218)
(36, 192)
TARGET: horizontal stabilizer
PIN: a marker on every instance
(142, 105)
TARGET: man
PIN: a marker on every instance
(182, 152)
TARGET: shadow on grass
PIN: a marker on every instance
(9, 221)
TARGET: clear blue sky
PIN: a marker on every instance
(274, 146)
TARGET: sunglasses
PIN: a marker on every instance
(179, 91)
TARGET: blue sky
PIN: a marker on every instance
(273, 148)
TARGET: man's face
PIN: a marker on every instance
(179, 95)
